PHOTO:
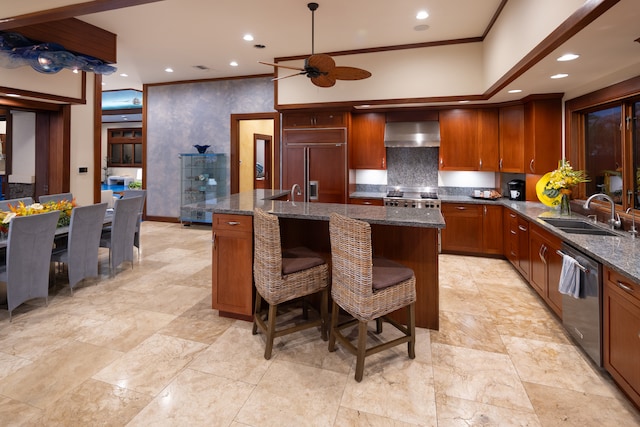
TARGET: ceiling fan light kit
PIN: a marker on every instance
(320, 68)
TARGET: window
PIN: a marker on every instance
(124, 147)
(603, 138)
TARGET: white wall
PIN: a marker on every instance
(81, 185)
(24, 147)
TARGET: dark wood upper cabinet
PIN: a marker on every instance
(366, 146)
(542, 135)
(512, 139)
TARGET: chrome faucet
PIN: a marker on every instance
(293, 191)
(614, 222)
(633, 231)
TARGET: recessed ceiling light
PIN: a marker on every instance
(75, 71)
(515, 91)
(423, 27)
(104, 83)
(568, 57)
(463, 101)
(13, 95)
(248, 37)
(233, 63)
(559, 76)
(169, 70)
(124, 75)
(423, 14)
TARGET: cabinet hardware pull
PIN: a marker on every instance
(500, 165)
(513, 232)
(521, 228)
(383, 162)
(213, 241)
(366, 203)
(233, 222)
(580, 266)
(531, 166)
(512, 215)
(480, 163)
(625, 287)
(484, 209)
(540, 253)
(461, 208)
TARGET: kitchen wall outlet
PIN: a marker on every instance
(83, 170)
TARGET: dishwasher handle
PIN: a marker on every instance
(580, 266)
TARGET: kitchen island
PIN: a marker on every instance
(408, 236)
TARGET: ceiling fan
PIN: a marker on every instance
(321, 68)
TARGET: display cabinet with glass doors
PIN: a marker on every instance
(203, 180)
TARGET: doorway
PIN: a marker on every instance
(255, 151)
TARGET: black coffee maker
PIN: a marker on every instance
(516, 189)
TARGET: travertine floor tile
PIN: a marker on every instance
(95, 403)
(195, 398)
(468, 330)
(477, 375)
(455, 412)
(14, 413)
(310, 395)
(150, 366)
(351, 418)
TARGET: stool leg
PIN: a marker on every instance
(379, 325)
(332, 327)
(324, 315)
(362, 349)
(271, 330)
(256, 313)
(411, 325)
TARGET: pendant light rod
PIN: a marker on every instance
(312, 7)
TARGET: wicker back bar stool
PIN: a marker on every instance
(367, 288)
(282, 276)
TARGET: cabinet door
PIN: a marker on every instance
(463, 232)
(293, 166)
(512, 139)
(511, 236)
(538, 261)
(492, 230)
(543, 135)
(554, 268)
(523, 247)
(367, 150)
(459, 140)
(488, 140)
(232, 280)
(314, 118)
(621, 331)
(327, 165)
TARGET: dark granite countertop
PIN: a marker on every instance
(244, 203)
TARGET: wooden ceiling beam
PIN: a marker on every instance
(64, 12)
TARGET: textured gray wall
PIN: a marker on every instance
(181, 115)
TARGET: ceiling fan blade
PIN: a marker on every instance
(323, 80)
(281, 66)
(324, 63)
(286, 77)
(350, 73)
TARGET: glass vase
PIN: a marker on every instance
(565, 207)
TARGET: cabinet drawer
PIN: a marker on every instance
(623, 283)
(232, 222)
(368, 202)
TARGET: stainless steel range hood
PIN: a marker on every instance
(412, 134)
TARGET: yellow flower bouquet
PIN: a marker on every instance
(563, 178)
(64, 206)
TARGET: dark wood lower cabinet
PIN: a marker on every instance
(621, 332)
(472, 229)
(546, 265)
(233, 264)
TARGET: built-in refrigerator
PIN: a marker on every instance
(318, 166)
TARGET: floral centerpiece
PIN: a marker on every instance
(64, 206)
(561, 182)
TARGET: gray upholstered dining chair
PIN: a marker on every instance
(136, 193)
(26, 271)
(120, 236)
(368, 288)
(55, 197)
(4, 204)
(83, 243)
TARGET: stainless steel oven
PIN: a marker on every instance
(582, 317)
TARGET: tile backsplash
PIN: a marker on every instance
(412, 167)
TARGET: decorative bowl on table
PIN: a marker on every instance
(202, 148)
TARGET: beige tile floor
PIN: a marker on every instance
(145, 349)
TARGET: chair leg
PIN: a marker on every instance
(379, 325)
(324, 315)
(271, 330)
(332, 327)
(411, 325)
(362, 349)
(256, 313)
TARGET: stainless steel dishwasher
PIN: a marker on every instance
(582, 317)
